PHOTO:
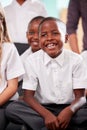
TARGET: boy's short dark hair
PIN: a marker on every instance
(35, 19)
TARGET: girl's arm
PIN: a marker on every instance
(12, 86)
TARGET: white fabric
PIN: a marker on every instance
(54, 79)
(11, 66)
(84, 55)
(78, 104)
(26, 54)
(18, 17)
(24, 57)
(62, 30)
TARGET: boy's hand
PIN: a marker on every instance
(51, 122)
(64, 117)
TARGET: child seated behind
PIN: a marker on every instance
(54, 83)
(32, 37)
(33, 41)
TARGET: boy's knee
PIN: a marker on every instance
(9, 109)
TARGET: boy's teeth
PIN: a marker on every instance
(50, 45)
(35, 43)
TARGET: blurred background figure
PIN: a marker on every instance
(18, 14)
(56, 8)
(77, 9)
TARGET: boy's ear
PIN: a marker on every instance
(26, 34)
(66, 38)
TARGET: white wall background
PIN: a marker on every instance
(5, 2)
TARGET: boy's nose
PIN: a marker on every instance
(49, 36)
(36, 35)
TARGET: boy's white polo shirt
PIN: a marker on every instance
(11, 66)
(54, 79)
(26, 54)
(84, 55)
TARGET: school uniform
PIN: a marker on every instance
(84, 55)
(23, 58)
(26, 54)
(53, 80)
(11, 67)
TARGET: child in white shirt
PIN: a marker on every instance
(10, 70)
(33, 41)
(32, 37)
(54, 83)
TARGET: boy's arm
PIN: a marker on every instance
(50, 120)
(79, 101)
(65, 116)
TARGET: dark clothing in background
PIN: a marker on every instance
(21, 47)
(77, 9)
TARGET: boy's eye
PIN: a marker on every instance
(43, 35)
(56, 33)
(31, 33)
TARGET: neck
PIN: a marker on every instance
(20, 1)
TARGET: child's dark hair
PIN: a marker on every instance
(35, 19)
(61, 24)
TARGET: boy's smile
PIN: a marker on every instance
(32, 35)
(50, 38)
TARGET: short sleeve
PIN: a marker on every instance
(14, 65)
(79, 75)
(30, 80)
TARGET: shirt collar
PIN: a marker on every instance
(59, 59)
(14, 2)
(30, 50)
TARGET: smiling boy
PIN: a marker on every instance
(54, 83)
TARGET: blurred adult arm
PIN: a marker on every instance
(73, 16)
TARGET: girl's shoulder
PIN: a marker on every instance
(8, 46)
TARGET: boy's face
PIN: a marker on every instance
(50, 38)
(32, 35)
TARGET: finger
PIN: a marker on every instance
(49, 126)
(63, 125)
